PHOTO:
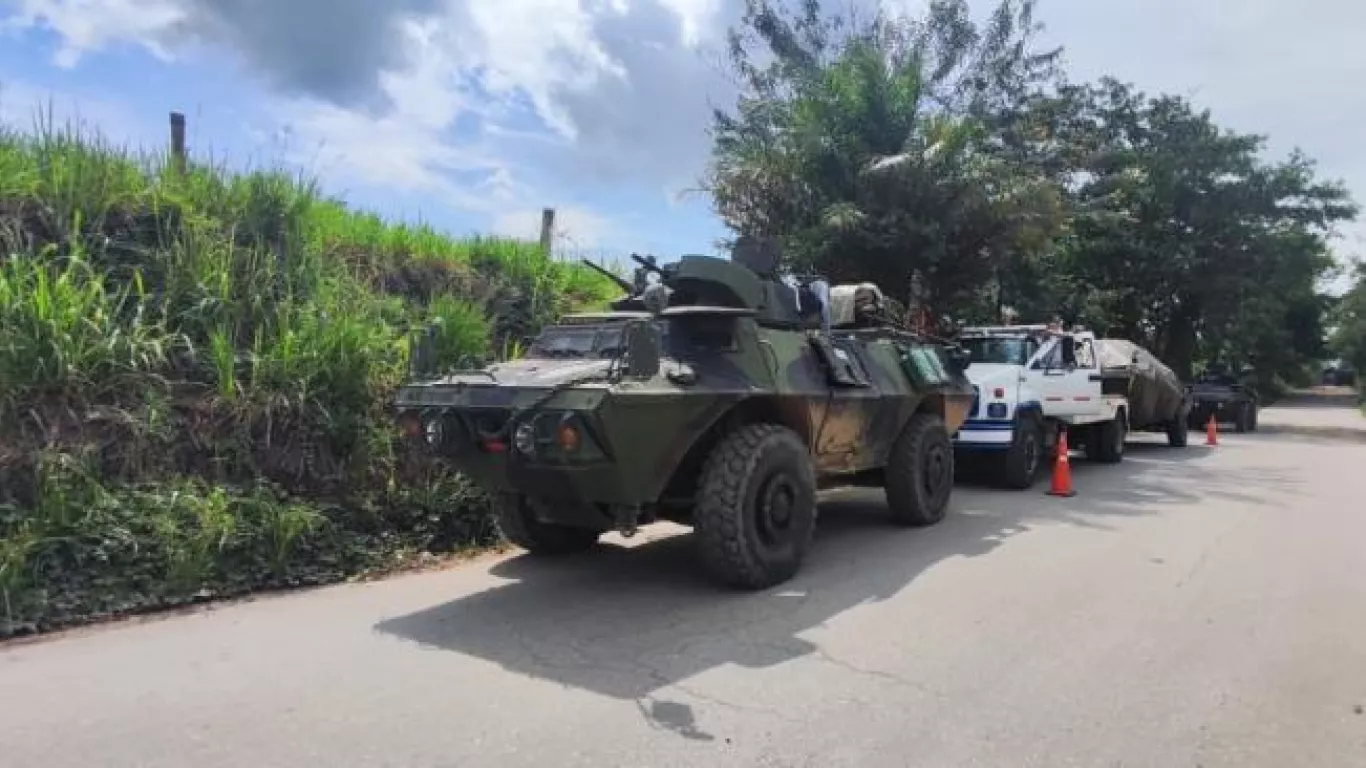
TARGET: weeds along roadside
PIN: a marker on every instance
(195, 372)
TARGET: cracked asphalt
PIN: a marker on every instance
(1197, 607)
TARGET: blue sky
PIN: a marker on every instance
(473, 114)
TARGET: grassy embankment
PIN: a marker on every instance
(195, 372)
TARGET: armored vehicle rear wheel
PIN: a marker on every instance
(1240, 418)
(920, 472)
(756, 509)
(518, 524)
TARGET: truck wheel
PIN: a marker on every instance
(919, 472)
(1107, 441)
(1252, 417)
(1020, 467)
(756, 510)
(1178, 432)
(1240, 424)
(519, 525)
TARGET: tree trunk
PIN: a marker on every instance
(1179, 351)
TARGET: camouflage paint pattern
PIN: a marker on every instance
(635, 434)
(637, 439)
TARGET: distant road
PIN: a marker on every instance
(1197, 607)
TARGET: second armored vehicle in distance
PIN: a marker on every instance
(717, 397)
(1219, 394)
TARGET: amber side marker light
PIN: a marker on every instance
(568, 437)
(410, 426)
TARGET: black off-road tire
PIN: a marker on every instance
(1020, 466)
(1178, 432)
(1240, 420)
(518, 524)
(1252, 417)
(756, 511)
(919, 472)
(1106, 445)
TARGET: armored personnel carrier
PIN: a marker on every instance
(1218, 393)
(716, 394)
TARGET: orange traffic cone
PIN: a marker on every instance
(1062, 470)
(1212, 431)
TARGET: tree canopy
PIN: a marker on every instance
(954, 164)
(1348, 318)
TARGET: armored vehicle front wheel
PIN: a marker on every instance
(756, 509)
(518, 524)
(919, 473)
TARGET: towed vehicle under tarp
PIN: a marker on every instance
(1156, 396)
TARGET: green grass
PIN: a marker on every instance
(195, 373)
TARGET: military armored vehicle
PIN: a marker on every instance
(1220, 394)
(714, 394)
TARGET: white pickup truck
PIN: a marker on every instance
(1029, 381)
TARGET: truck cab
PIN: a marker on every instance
(1028, 382)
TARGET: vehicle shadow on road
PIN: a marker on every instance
(627, 621)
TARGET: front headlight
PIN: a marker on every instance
(525, 438)
(435, 432)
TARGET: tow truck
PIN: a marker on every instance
(1032, 381)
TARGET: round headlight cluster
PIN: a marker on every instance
(435, 432)
(525, 438)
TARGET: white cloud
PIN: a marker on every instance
(622, 95)
(696, 18)
(86, 26)
(534, 47)
(408, 148)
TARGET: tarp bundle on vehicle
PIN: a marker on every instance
(1155, 392)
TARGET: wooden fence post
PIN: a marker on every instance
(547, 229)
(178, 141)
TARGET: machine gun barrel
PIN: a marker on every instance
(620, 281)
(648, 264)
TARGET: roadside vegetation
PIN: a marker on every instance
(195, 371)
(195, 368)
(1348, 341)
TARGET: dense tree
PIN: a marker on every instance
(955, 158)
(1187, 240)
(1348, 317)
(874, 149)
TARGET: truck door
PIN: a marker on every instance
(1067, 375)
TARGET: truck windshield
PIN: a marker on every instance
(1215, 380)
(1004, 351)
(576, 341)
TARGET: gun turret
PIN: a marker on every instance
(647, 263)
(621, 283)
(643, 272)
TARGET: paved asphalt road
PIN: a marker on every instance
(1198, 607)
